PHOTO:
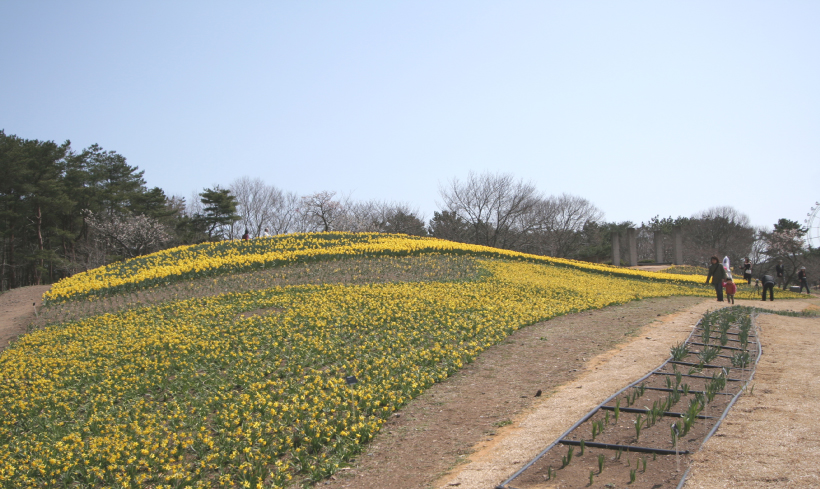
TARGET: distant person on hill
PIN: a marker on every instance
(731, 289)
(768, 283)
(804, 281)
(266, 233)
(717, 274)
(780, 270)
(747, 270)
(246, 236)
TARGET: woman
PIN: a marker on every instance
(717, 274)
(747, 271)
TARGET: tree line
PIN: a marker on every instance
(63, 211)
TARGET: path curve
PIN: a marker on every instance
(17, 310)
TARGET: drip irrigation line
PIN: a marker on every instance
(625, 448)
(699, 376)
(691, 391)
(644, 411)
(728, 332)
(724, 347)
(690, 364)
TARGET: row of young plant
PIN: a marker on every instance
(715, 331)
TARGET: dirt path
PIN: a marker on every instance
(16, 311)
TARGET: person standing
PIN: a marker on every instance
(768, 283)
(804, 281)
(731, 290)
(717, 274)
(747, 270)
(780, 270)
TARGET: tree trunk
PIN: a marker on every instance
(38, 272)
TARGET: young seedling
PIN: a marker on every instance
(740, 359)
(550, 472)
(606, 418)
(618, 454)
(583, 445)
(679, 352)
(617, 409)
(639, 423)
(643, 465)
(591, 477)
(600, 463)
(566, 459)
(632, 475)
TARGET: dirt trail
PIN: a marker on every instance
(17, 310)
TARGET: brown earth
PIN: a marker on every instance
(17, 311)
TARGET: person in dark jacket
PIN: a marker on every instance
(804, 281)
(747, 271)
(781, 274)
(717, 273)
(768, 283)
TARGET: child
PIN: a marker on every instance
(731, 288)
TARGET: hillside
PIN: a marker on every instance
(266, 362)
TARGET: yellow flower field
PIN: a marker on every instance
(248, 389)
(188, 262)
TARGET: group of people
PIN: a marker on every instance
(721, 278)
(247, 234)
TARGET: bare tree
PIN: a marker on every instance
(284, 215)
(320, 211)
(718, 231)
(567, 216)
(492, 205)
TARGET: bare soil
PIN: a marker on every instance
(17, 311)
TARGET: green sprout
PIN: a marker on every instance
(600, 463)
(639, 423)
(591, 477)
(566, 459)
(582, 448)
(632, 475)
(679, 352)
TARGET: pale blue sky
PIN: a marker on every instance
(643, 108)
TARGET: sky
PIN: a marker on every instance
(642, 107)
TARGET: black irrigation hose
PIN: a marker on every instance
(699, 376)
(586, 417)
(691, 391)
(625, 448)
(643, 411)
